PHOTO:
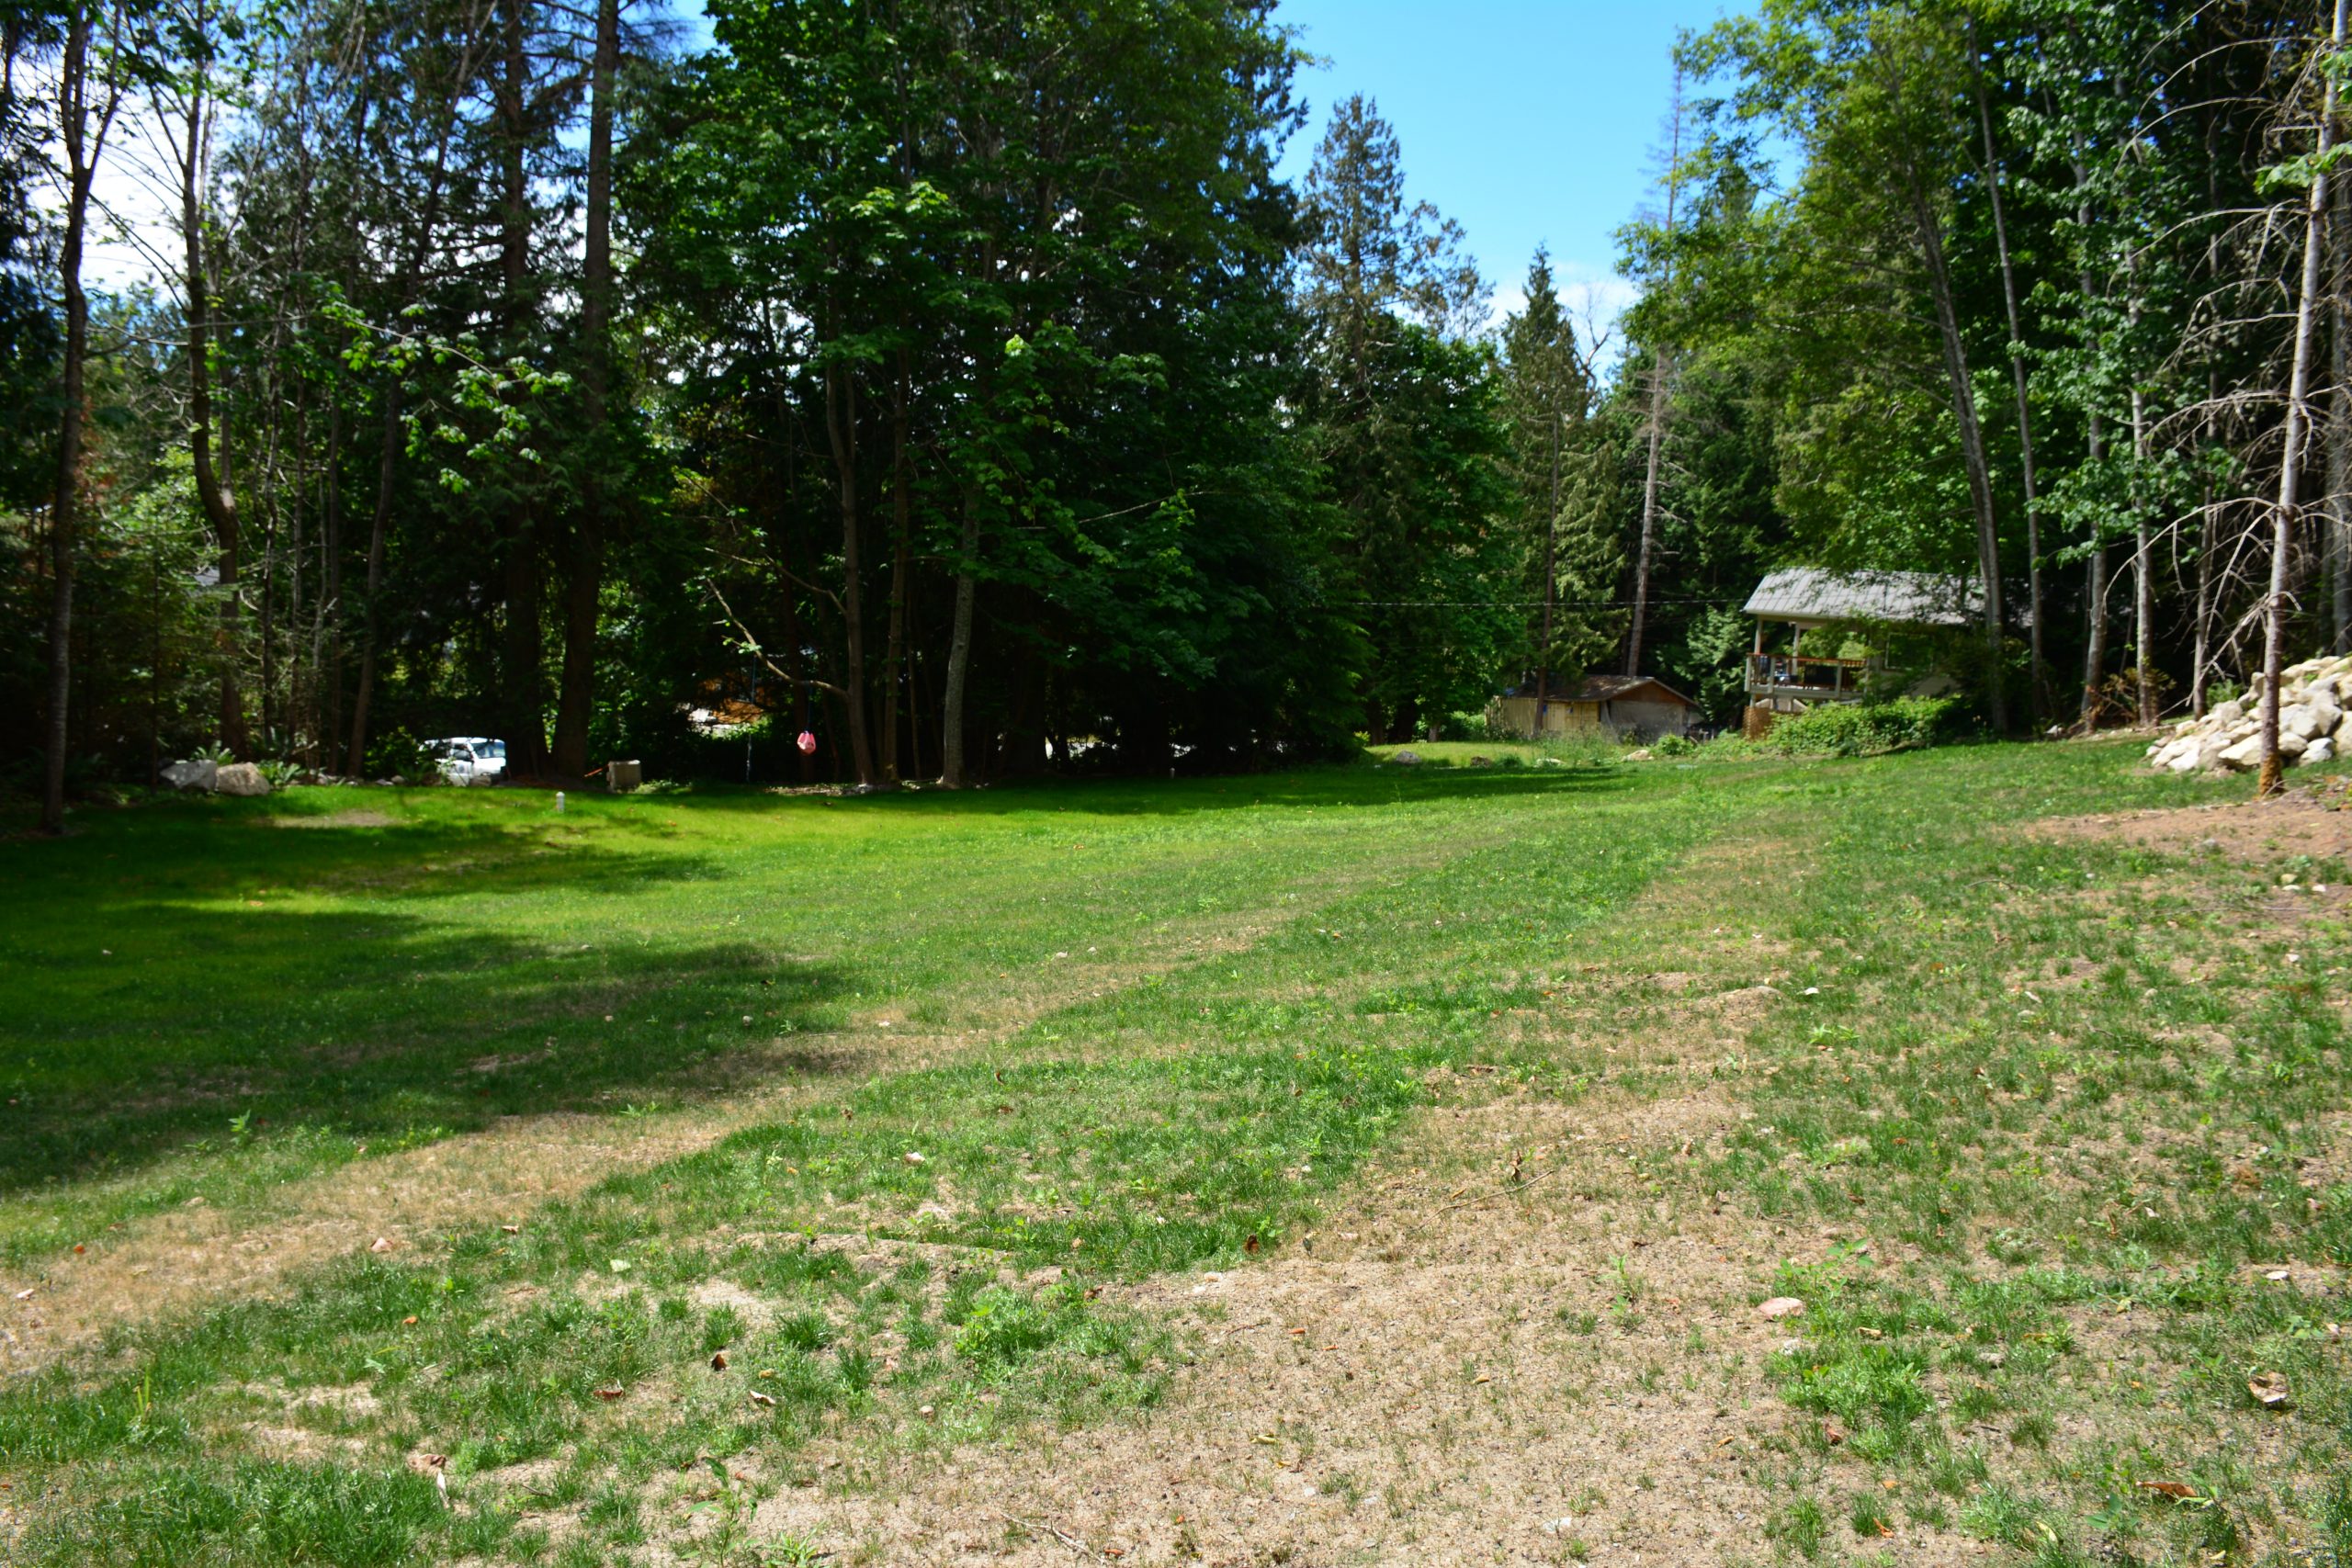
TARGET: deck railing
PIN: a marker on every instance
(1804, 676)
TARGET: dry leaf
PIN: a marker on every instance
(426, 1464)
(1833, 1432)
(718, 1362)
(2169, 1489)
(610, 1392)
(381, 1244)
(759, 1398)
(512, 1230)
(1779, 1307)
(25, 1294)
(2271, 1389)
(1251, 1244)
(409, 1322)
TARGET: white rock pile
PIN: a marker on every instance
(2312, 697)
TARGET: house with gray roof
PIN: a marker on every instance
(1809, 599)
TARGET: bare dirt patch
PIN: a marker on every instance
(337, 819)
(2255, 831)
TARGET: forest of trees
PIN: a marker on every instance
(959, 380)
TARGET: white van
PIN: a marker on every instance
(469, 758)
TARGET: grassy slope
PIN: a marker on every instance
(338, 982)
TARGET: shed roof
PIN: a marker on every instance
(1899, 598)
(1610, 688)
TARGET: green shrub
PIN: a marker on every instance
(1673, 745)
(396, 753)
(1867, 730)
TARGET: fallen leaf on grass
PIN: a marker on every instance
(1251, 1244)
(1779, 1307)
(2170, 1489)
(25, 1294)
(610, 1392)
(718, 1362)
(762, 1399)
(381, 1244)
(2269, 1390)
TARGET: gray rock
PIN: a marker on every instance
(240, 778)
(195, 773)
(2302, 722)
(2228, 714)
(1406, 759)
(2320, 751)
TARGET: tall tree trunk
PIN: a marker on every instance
(2144, 588)
(901, 551)
(2095, 448)
(1658, 372)
(387, 469)
(2201, 634)
(584, 579)
(521, 715)
(1551, 581)
(329, 630)
(841, 431)
(212, 490)
(2038, 677)
(2290, 455)
(2095, 594)
(952, 773)
(388, 455)
(2339, 418)
(1971, 441)
(84, 143)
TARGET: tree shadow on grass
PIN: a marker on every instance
(141, 1025)
(1336, 786)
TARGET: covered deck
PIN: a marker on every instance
(1806, 599)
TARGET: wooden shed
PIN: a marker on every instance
(1639, 708)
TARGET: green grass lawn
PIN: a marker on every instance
(1148, 1027)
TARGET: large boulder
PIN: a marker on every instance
(2302, 722)
(2226, 714)
(2243, 756)
(240, 778)
(2320, 751)
(196, 773)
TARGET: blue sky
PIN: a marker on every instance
(1525, 121)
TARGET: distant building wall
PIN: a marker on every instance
(1648, 719)
(1516, 715)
